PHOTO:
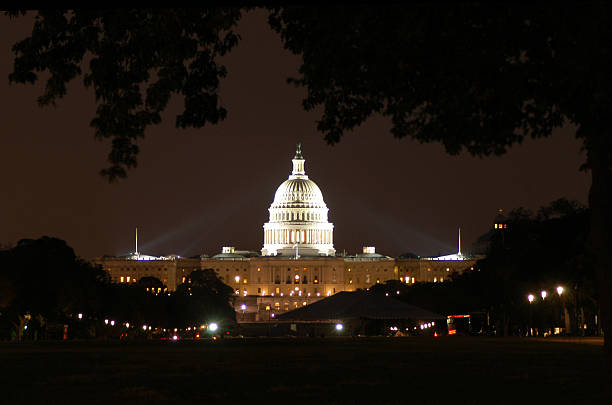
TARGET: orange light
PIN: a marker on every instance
(458, 316)
(214, 338)
(452, 332)
(435, 334)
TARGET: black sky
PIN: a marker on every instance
(197, 190)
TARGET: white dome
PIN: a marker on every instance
(298, 217)
(298, 193)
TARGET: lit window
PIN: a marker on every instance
(128, 279)
(122, 279)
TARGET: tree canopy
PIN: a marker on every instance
(43, 282)
(134, 60)
(535, 252)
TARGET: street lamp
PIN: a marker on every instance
(530, 298)
(560, 291)
(544, 294)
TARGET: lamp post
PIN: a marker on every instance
(530, 298)
(559, 293)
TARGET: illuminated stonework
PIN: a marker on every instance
(298, 218)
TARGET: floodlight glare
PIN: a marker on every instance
(213, 326)
(339, 327)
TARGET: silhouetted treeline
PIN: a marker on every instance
(536, 252)
(47, 292)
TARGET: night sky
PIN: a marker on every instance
(197, 190)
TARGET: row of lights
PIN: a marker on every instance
(212, 327)
(427, 325)
(544, 294)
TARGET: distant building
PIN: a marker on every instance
(171, 270)
(500, 221)
(297, 265)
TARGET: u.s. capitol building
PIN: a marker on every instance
(297, 264)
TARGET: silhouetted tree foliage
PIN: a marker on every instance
(42, 282)
(204, 298)
(536, 252)
(151, 282)
(134, 60)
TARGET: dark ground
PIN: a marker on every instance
(335, 370)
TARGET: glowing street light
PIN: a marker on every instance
(339, 327)
(544, 294)
(559, 290)
(530, 298)
(213, 327)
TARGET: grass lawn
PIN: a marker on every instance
(446, 370)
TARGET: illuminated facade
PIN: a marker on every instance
(297, 264)
(170, 270)
(298, 217)
(268, 285)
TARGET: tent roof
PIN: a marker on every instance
(359, 304)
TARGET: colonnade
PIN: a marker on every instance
(311, 236)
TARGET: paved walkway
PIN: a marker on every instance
(596, 340)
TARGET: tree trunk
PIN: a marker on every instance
(600, 202)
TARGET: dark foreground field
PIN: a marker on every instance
(385, 370)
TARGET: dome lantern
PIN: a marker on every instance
(298, 164)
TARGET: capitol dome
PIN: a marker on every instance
(298, 217)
